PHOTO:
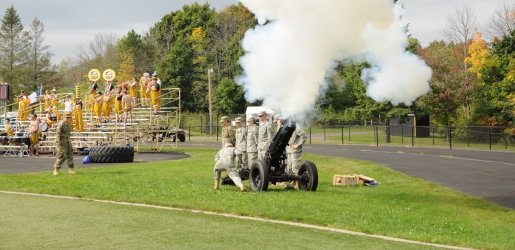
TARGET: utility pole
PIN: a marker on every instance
(209, 72)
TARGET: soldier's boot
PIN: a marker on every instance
(71, 171)
(56, 171)
(242, 189)
(295, 184)
(217, 184)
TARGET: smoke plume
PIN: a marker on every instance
(297, 44)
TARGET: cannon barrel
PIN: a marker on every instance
(275, 152)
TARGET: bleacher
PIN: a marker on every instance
(145, 129)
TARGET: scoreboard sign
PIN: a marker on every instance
(4, 92)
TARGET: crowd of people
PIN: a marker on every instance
(242, 145)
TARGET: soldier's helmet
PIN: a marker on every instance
(250, 119)
(228, 145)
(262, 113)
(224, 118)
(238, 119)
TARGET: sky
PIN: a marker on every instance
(69, 23)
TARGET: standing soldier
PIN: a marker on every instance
(64, 146)
(143, 83)
(252, 139)
(241, 144)
(224, 160)
(228, 135)
(294, 151)
(79, 124)
(264, 134)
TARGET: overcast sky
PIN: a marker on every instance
(69, 23)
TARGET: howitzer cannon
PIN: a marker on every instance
(273, 168)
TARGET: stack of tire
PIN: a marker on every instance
(111, 154)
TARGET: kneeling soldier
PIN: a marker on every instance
(225, 161)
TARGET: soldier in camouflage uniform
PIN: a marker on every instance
(64, 146)
(241, 144)
(252, 139)
(264, 135)
(225, 161)
(228, 134)
(294, 151)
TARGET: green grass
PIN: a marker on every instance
(77, 224)
(401, 206)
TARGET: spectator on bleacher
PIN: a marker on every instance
(128, 102)
(23, 106)
(64, 146)
(98, 107)
(106, 106)
(143, 83)
(68, 106)
(118, 103)
(34, 135)
(92, 97)
(53, 98)
(154, 88)
(47, 98)
(133, 88)
(79, 124)
(52, 116)
(8, 128)
(108, 87)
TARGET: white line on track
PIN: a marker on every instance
(289, 223)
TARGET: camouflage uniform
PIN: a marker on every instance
(241, 146)
(228, 135)
(225, 161)
(293, 155)
(64, 145)
(252, 139)
(264, 139)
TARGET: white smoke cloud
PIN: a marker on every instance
(295, 48)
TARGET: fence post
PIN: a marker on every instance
(377, 136)
(450, 137)
(412, 136)
(468, 136)
(490, 137)
(200, 124)
(433, 134)
(189, 134)
(402, 133)
(216, 133)
(342, 135)
(309, 135)
(349, 133)
(324, 133)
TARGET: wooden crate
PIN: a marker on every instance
(346, 180)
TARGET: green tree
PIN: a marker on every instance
(127, 68)
(141, 52)
(39, 56)
(229, 98)
(13, 49)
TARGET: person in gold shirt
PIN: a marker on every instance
(23, 106)
(106, 106)
(118, 103)
(133, 88)
(46, 100)
(79, 124)
(34, 134)
(154, 88)
(8, 128)
(98, 107)
(143, 83)
(52, 116)
(53, 98)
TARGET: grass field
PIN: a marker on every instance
(401, 206)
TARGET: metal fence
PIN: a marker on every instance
(482, 138)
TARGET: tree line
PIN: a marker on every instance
(472, 82)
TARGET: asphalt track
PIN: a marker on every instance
(487, 174)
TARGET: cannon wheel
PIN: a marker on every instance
(308, 176)
(259, 176)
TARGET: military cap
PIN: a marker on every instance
(224, 118)
(277, 118)
(238, 119)
(261, 113)
(250, 119)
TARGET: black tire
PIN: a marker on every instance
(111, 154)
(308, 176)
(181, 136)
(259, 176)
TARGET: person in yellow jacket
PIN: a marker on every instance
(118, 103)
(133, 88)
(106, 106)
(54, 101)
(79, 124)
(52, 116)
(46, 100)
(8, 128)
(143, 83)
(23, 106)
(154, 88)
(98, 107)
